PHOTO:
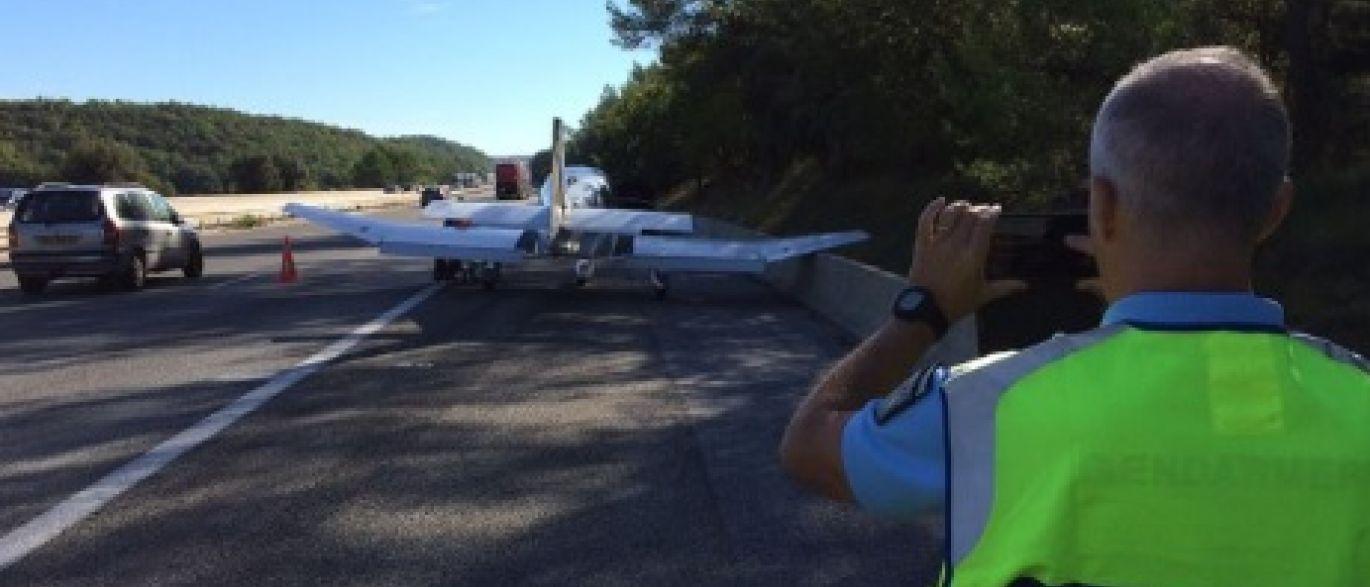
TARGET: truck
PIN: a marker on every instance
(512, 180)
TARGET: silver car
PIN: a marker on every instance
(118, 233)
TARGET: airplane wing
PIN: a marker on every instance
(491, 214)
(605, 220)
(665, 253)
(421, 240)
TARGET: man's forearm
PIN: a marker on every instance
(811, 447)
(951, 246)
(872, 369)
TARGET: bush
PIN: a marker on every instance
(1316, 263)
(247, 221)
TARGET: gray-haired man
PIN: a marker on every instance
(1189, 440)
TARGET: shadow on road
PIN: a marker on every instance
(537, 436)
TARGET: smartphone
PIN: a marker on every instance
(1032, 248)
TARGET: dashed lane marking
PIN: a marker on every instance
(36, 532)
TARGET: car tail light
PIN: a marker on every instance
(111, 235)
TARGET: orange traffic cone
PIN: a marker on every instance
(288, 274)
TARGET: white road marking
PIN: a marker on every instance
(38, 531)
(235, 280)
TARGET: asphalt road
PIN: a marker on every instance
(539, 434)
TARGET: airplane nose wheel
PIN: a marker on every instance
(585, 269)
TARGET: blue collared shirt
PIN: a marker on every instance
(896, 469)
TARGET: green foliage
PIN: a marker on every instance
(825, 114)
(246, 221)
(198, 178)
(1315, 264)
(17, 168)
(375, 169)
(103, 161)
(196, 149)
(978, 96)
(294, 176)
(540, 166)
(256, 175)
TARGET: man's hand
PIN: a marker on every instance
(949, 259)
(949, 255)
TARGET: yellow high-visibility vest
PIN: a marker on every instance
(1127, 457)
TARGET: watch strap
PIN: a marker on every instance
(927, 312)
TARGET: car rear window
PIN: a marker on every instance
(61, 206)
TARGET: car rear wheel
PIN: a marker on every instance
(195, 266)
(134, 274)
(32, 284)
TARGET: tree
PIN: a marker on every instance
(540, 166)
(195, 147)
(197, 178)
(257, 174)
(294, 176)
(375, 169)
(982, 96)
(408, 168)
(17, 168)
(103, 161)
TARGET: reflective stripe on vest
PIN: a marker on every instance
(1123, 456)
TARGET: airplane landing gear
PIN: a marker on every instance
(489, 275)
(486, 274)
(660, 285)
(448, 270)
(442, 270)
(585, 269)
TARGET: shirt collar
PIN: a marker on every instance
(1196, 310)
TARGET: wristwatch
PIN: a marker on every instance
(915, 304)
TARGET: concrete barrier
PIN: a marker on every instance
(853, 295)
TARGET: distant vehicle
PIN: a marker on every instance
(10, 197)
(511, 180)
(430, 194)
(586, 187)
(118, 233)
(466, 180)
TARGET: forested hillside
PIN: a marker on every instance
(195, 149)
(804, 114)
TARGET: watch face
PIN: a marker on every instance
(910, 301)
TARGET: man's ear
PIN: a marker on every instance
(1103, 210)
(1279, 209)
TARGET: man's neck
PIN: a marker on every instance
(1196, 273)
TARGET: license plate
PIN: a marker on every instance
(58, 239)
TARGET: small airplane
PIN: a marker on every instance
(477, 239)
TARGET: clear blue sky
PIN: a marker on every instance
(489, 73)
